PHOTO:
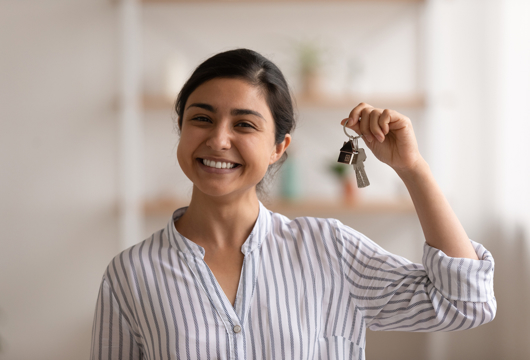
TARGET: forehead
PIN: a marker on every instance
(227, 94)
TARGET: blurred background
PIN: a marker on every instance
(88, 142)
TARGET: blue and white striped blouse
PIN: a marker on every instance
(309, 287)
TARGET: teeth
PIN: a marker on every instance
(218, 164)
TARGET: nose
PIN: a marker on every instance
(220, 138)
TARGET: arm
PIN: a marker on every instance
(444, 294)
(441, 227)
(112, 337)
(389, 135)
(393, 294)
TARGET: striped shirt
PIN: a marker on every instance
(308, 289)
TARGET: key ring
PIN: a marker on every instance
(351, 137)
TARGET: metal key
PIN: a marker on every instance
(358, 166)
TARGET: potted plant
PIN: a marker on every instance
(349, 188)
(309, 62)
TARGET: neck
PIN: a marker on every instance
(219, 222)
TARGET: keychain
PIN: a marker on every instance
(351, 154)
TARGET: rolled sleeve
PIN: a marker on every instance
(442, 294)
(461, 279)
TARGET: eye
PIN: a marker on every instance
(201, 118)
(245, 125)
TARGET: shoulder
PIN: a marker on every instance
(344, 237)
(321, 240)
(327, 229)
(305, 224)
(128, 264)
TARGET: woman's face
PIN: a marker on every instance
(227, 137)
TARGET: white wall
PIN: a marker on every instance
(386, 51)
(58, 153)
(59, 76)
(483, 65)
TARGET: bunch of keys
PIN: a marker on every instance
(352, 154)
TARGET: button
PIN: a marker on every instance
(237, 329)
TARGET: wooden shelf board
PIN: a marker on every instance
(330, 208)
(150, 102)
(322, 208)
(271, 1)
(408, 101)
(415, 101)
(163, 206)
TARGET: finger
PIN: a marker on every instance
(365, 124)
(355, 114)
(354, 127)
(349, 122)
(374, 125)
(397, 121)
(384, 121)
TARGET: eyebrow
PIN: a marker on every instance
(203, 106)
(234, 112)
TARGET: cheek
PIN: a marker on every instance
(266, 159)
(182, 153)
(259, 149)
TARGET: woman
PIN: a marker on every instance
(228, 279)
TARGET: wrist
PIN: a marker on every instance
(417, 170)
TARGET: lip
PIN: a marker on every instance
(212, 170)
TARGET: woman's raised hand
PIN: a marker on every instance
(388, 134)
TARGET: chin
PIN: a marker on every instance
(223, 191)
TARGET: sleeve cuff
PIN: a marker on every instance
(458, 278)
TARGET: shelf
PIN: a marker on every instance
(391, 101)
(318, 208)
(326, 208)
(408, 101)
(150, 102)
(163, 206)
(270, 1)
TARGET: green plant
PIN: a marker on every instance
(309, 57)
(339, 170)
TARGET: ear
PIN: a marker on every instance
(279, 149)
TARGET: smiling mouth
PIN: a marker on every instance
(219, 164)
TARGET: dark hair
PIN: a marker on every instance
(257, 70)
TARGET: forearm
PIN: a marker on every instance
(441, 227)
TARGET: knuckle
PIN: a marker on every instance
(375, 114)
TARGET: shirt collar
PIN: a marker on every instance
(259, 232)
